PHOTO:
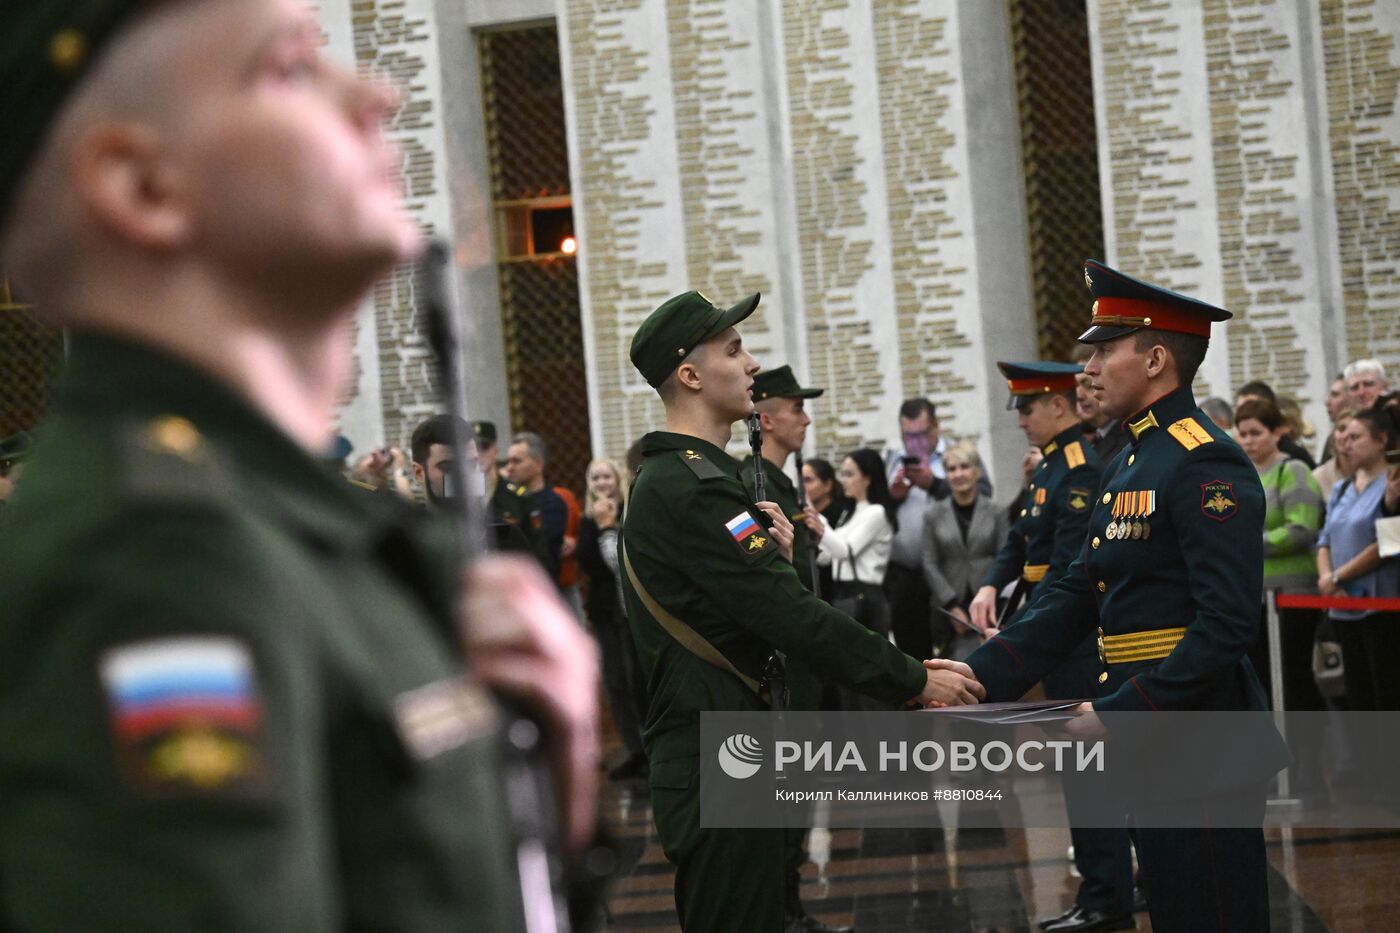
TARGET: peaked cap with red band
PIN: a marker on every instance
(1027, 380)
(1123, 304)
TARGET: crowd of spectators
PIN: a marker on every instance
(905, 537)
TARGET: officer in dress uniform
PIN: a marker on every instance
(233, 693)
(1046, 537)
(711, 592)
(1172, 570)
(781, 405)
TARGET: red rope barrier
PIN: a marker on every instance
(1363, 603)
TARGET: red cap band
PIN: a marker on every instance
(1134, 312)
(1061, 382)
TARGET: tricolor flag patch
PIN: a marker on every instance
(741, 526)
(748, 535)
(185, 712)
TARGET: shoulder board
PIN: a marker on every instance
(516, 490)
(361, 484)
(166, 459)
(1189, 433)
(1074, 454)
(699, 465)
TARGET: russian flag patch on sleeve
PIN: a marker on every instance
(185, 713)
(746, 532)
(741, 526)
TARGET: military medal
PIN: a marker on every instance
(1146, 530)
(1111, 532)
(1035, 511)
(1137, 530)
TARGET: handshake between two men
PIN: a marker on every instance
(949, 683)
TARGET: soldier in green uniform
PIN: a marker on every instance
(233, 691)
(783, 419)
(711, 592)
(1043, 542)
(1172, 570)
(781, 405)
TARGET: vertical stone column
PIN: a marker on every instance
(424, 47)
(820, 151)
(911, 215)
(625, 180)
(1211, 143)
(1362, 79)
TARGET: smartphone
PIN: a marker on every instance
(909, 461)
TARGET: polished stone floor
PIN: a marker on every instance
(953, 880)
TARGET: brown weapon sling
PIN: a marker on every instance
(688, 638)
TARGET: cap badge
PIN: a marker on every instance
(67, 50)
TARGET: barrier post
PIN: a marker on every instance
(1272, 628)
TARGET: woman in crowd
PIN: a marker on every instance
(623, 681)
(961, 536)
(824, 494)
(858, 550)
(1337, 466)
(1349, 563)
(1292, 518)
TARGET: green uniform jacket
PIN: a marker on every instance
(1199, 567)
(780, 489)
(688, 538)
(231, 693)
(1050, 530)
(804, 689)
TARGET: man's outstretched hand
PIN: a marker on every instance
(949, 683)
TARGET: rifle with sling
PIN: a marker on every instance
(811, 542)
(775, 668)
(527, 785)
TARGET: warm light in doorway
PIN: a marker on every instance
(569, 246)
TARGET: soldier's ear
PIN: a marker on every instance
(125, 178)
(687, 376)
(1157, 360)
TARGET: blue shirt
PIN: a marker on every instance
(1350, 529)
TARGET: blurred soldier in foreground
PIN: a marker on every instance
(711, 593)
(233, 691)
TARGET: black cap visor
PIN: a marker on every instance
(1102, 333)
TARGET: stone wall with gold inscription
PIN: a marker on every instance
(1362, 68)
(819, 151)
(1249, 148)
(417, 45)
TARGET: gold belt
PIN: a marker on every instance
(1139, 646)
(1034, 573)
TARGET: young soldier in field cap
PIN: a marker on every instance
(711, 592)
(233, 690)
(781, 405)
(1043, 542)
(1170, 580)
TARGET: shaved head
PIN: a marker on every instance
(212, 148)
(133, 81)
